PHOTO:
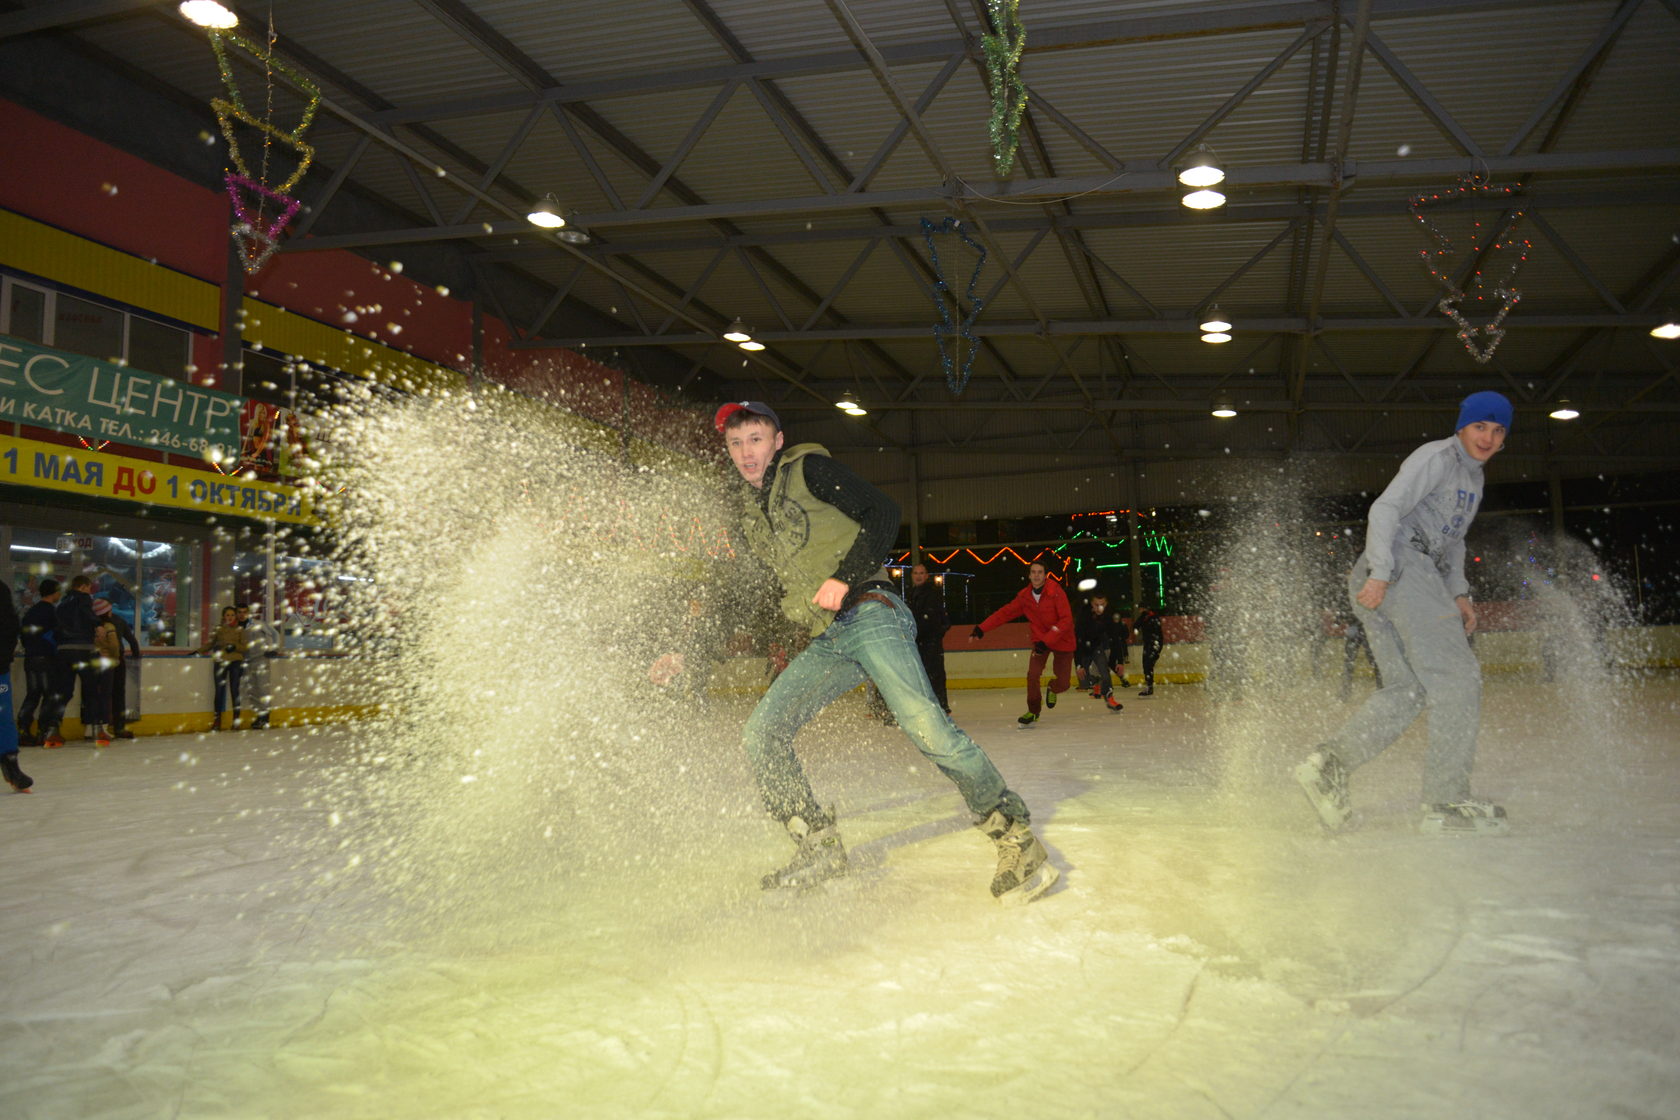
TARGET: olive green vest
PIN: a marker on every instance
(802, 538)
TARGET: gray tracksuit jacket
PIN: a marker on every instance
(1428, 506)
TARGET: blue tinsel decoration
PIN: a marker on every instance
(956, 373)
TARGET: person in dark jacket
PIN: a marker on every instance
(73, 660)
(1147, 626)
(10, 627)
(926, 600)
(1102, 639)
(40, 642)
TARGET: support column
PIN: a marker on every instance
(1135, 546)
(1554, 486)
(233, 342)
(915, 504)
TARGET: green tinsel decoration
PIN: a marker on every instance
(1009, 94)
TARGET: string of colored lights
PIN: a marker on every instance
(1438, 260)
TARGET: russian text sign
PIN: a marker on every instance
(25, 462)
(100, 401)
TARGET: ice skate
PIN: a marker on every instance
(1324, 779)
(1464, 818)
(51, 740)
(1113, 704)
(820, 856)
(1049, 699)
(1026, 722)
(1150, 691)
(1024, 870)
(101, 735)
(14, 776)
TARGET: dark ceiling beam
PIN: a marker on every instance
(1315, 174)
(1189, 21)
(54, 14)
(1069, 328)
(1567, 85)
(1129, 219)
(1177, 216)
(1338, 159)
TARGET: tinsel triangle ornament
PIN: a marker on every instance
(1480, 341)
(255, 233)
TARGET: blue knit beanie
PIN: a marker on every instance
(1485, 405)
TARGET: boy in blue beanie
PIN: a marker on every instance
(1410, 594)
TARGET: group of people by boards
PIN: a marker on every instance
(73, 640)
(821, 530)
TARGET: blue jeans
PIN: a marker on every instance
(877, 641)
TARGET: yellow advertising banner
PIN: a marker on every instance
(25, 462)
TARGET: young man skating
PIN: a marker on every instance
(823, 531)
(1410, 595)
(1050, 625)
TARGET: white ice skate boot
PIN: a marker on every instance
(1324, 779)
(821, 855)
(1024, 870)
(1464, 818)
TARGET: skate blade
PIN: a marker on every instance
(1482, 826)
(1042, 880)
(1330, 817)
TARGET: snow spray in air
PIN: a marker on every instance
(504, 576)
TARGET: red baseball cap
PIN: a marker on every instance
(757, 408)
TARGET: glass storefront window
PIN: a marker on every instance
(163, 620)
(35, 556)
(26, 312)
(87, 328)
(156, 348)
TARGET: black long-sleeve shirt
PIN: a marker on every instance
(927, 603)
(40, 622)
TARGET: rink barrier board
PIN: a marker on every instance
(177, 692)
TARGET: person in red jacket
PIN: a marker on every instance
(1050, 623)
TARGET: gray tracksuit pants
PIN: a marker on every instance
(1417, 637)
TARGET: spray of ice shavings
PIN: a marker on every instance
(506, 579)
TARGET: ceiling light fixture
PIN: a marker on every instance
(1213, 322)
(1216, 337)
(738, 332)
(1222, 408)
(1205, 199)
(1669, 328)
(751, 344)
(545, 214)
(1201, 169)
(571, 235)
(1563, 410)
(208, 13)
(847, 400)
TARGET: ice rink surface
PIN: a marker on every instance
(271, 924)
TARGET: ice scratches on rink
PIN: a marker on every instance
(176, 946)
